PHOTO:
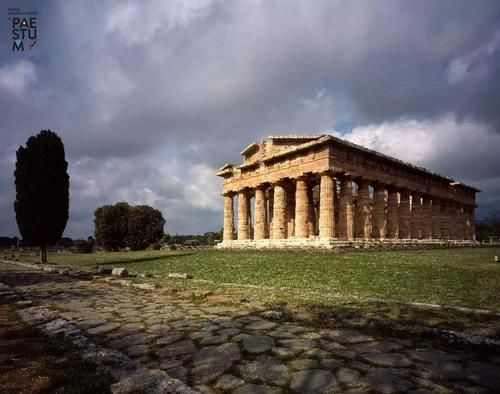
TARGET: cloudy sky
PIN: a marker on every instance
(151, 97)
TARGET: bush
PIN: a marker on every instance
(156, 246)
(83, 246)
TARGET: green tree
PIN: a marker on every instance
(42, 191)
(145, 227)
(111, 225)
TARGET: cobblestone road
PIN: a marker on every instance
(219, 349)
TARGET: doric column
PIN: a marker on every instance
(270, 200)
(301, 208)
(426, 217)
(311, 214)
(326, 206)
(445, 219)
(404, 214)
(392, 213)
(243, 215)
(249, 216)
(346, 210)
(260, 213)
(290, 210)
(472, 219)
(436, 218)
(362, 215)
(416, 217)
(279, 220)
(228, 233)
(467, 223)
(379, 229)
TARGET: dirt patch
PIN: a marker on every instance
(32, 363)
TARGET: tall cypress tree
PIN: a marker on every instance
(42, 190)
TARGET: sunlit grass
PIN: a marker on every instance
(465, 277)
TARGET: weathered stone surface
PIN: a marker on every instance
(445, 370)
(303, 363)
(396, 360)
(300, 344)
(266, 369)
(376, 347)
(229, 383)
(486, 375)
(292, 203)
(431, 356)
(212, 361)
(151, 382)
(348, 376)
(257, 343)
(137, 350)
(180, 275)
(387, 382)
(119, 272)
(313, 381)
(256, 389)
(261, 325)
(177, 349)
(169, 338)
(103, 329)
(346, 336)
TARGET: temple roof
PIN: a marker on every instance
(304, 142)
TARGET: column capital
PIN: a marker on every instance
(230, 193)
(328, 172)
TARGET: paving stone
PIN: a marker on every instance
(445, 370)
(169, 338)
(313, 381)
(275, 315)
(176, 349)
(151, 382)
(486, 375)
(431, 356)
(261, 325)
(376, 347)
(199, 335)
(256, 389)
(137, 350)
(331, 345)
(179, 372)
(387, 382)
(229, 383)
(266, 369)
(281, 334)
(285, 352)
(303, 363)
(257, 343)
(229, 331)
(348, 376)
(331, 363)
(214, 340)
(345, 336)
(301, 344)
(317, 353)
(212, 361)
(103, 329)
(170, 363)
(396, 360)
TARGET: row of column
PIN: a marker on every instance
(288, 209)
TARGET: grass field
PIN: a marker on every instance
(460, 277)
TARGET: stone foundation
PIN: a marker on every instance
(343, 245)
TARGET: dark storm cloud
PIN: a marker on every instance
(149, 95)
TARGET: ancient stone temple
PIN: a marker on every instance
(322, 191)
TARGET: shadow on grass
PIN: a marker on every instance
(145, 259)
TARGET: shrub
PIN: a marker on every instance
(83, 246)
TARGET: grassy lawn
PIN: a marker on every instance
(463, 277)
